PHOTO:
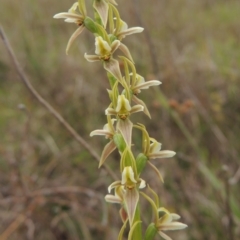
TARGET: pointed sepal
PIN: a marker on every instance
(108, 149)
(131, 198)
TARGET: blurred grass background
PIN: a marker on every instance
(51, 187)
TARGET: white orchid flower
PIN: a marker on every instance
(104, 51)
(123, 108)
(74, 16)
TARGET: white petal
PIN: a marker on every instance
(128, 174)
(173, 226)
(110, 111)
(123, 104)
(147, 84)
(163, 235)
(113, 199)
(70, 20)
(175, 216)
(142, 184)
(155, 146)
(137, 108)
(123, 26)
(91, 58)
(100, 132)
(165, 219)
(109, 126)
(113, 185)
(73, 8)
(162, 154)
(68, 15)
(130, 31)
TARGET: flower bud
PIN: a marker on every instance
(150, 232)
(90, 25)
(119, 142)
(141, 162)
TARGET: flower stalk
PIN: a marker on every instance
(109, 31)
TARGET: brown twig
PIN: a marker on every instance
(52, 191)
(36, 95)
(64, 189)
(18, 221)
(13, 226)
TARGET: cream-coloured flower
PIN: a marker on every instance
(156, 152)
(167, 222)
(139, 84)
(104, 51)
(129, 181)
(123, 108)
(130, 195)
(74, 16)
(152, 149)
